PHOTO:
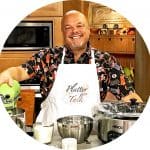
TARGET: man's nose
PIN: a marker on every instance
(74, 29)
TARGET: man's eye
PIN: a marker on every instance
(67, 28)
(80, 26)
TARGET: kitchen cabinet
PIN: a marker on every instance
(123, 47)
(13, 58)
(54, 9)
(79, 5)
(27, 102)
(114, 44)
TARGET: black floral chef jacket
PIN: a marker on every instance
(43, 66)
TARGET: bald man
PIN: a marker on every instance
(112, 82)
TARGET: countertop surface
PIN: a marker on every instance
(92, 141)
(56, 141)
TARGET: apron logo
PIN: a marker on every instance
(76, 93)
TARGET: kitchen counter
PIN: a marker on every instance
(91, 142)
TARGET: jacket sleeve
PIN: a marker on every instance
(111, 77)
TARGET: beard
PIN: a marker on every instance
(77, 45)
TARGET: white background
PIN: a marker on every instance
(137, 12)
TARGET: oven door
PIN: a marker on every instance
(30, 35)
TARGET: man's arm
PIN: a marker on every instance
(14, 73)
(132, 95)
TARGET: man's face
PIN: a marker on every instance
(76, 31)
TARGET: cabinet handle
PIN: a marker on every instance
(121, 39)
(109, 39)
(133, 39)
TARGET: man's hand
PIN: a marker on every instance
(132, 95)
(14, 73)
(6, 78)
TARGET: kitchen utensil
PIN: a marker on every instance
(43, 133)
(116, 118)
(9, 95)
(10, 91)
(69, 144)
(75, 126)
(111, 128)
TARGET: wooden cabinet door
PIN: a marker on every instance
(54, 9)
(110, 44)
(120, 45)
(131, 44)
(101, 43)
(97, 42)
(12, 59)
(125, 45)
(114, 44)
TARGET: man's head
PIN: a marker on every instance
(75, 30)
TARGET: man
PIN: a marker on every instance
(113, 85)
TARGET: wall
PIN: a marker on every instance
(142, 69)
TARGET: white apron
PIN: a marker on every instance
(75, 92)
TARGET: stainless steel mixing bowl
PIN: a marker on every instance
(75, 126)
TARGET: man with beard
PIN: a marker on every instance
(69, 66)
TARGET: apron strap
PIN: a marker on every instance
(93, 58)
(63, 56)
(64, 52)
